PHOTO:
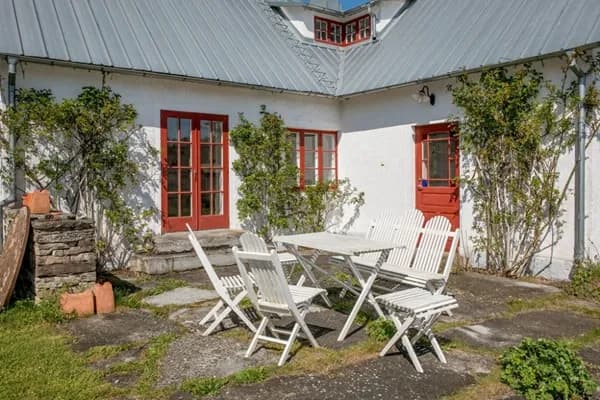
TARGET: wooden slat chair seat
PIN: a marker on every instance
(230, 289)
(419, 309)
(272, 296)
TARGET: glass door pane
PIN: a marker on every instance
(211, 168)
(178, 174)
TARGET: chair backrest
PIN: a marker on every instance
(210, 271)
(407, 234)
(383, 229)
(451, 253)
(253, 243)
(268, 277)
(432, 245)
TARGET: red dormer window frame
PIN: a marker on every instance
(344, 39)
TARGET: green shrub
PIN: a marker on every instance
(546, 369)
(381, 329)
(585, 281)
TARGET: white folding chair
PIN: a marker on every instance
(231, 290)
(419, 309)
(424, 270)
(275, 297)
(251, 242)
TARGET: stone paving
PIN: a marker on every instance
(484, 321)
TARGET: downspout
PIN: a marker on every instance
(12, 197)
(579, 244)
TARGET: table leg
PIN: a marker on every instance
(307, 266)
(364, 294)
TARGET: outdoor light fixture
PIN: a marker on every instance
(424, 94)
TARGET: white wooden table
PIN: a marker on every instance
(346, 247)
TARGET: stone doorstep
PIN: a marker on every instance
(167, 263)
(173, 252)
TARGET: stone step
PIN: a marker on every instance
(173, 252)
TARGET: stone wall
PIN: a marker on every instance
(61, 256)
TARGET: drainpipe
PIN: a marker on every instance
(12, 197)
(579, 245)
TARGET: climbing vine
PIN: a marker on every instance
(270, 200)
(92, 157)
(516, 127)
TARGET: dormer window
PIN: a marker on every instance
(364, 27)
(342, 34)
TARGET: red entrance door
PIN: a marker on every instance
(437, 171)
(194, 157)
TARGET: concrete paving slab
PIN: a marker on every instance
(480, 296)
(118, 328)
(505, 332)
(390, 377)
(181, 296)
(194, 356)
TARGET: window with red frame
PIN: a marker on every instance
(342, 34)
(315, 154)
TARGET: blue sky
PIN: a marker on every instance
(346, 4)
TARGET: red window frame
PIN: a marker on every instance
(300, 153)
(329, 24)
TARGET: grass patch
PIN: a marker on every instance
(204, 386)
(381, 330)
(99, 353)
(486, 387)
(251, 375)
(37, 362)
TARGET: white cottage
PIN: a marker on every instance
(344, 81)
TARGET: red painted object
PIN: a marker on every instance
(81, 304)
(105, 298)
(38, 201)
(195, 171)
(437, 171)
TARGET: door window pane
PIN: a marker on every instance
(217, 156)
(310, 142)
(185, 156)
(173, 205)
(205, 155)
(186, 205)
(205, 184)
(217, 204)
(310, 177)
(172, 159)
(217, 132)
(205, 131)
(205, 201)
(172, 128)
(172, 182)
(186, 129)
(438, 160)
(186, 180)
(217, 180)
(328, 175)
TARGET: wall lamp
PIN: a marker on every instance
(423, 95)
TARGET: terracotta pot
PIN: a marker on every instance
(78, 303)
(105, 298)
(38, 201)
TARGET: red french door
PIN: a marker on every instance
(195, 171)
(437, 171)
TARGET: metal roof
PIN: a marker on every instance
(244, 42)
(435, 38)
(219, 40)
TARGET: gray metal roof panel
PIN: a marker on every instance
(245, 42)
(434, 39)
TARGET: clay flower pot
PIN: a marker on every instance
(79, 303)
(38, 201)
(105, 298)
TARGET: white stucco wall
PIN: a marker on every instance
(150, 95)
(3, 99)
(377, 152)
(376, 145)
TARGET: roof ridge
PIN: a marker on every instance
(298, 47)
